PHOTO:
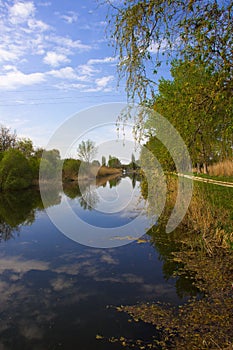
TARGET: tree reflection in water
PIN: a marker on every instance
(86, 190)
(19, 208)
(89, 198)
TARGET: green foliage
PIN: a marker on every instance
(7, 139)
(53, 157)
(35, 167)
(38, 152)
(72, 190)
(160, 152)
(114, 162)
(133, 165)
(144, 31)
(47, 171)
(18, 207)
(1, 155)
(15, 171)
(20, 162)
(114, 182)
(70, 169)
(25, 146)
(197, 109)
(199, 101)
(103, 163)
(50, 164)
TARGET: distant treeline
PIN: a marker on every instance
(22, 165)
(20, 161)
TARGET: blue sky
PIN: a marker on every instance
(55, 61)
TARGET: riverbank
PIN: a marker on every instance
(198, 256)
(207, 179)
(90, 173)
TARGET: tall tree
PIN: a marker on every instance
(53, 157)
(145, 32)
(50, 164)
(114, 162)
(7, 138)
(25, 146)
(15, 171)
(201, 118)
(103, 160)
(86, 151)
(70, 168)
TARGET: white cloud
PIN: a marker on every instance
(24, 40)
(60, 283)
(87, 70)
(164, 45)
(89, 84)
(19, 266)
(8, 67)
(21, 12)
(81, 74)
(38, 25)
(23, 36)
(86, 73)
(27, 38)
(64, 73)
(103, 82)
(70, 86)
(14, 79)
(102, 60)
(45, 4)
(108, 259)
(155, 47)
(54, 59)
(69, 43)
(70, 17)
(6, 55)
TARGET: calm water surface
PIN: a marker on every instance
(59, 294)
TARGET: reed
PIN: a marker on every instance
(224, 168)
(104, 171)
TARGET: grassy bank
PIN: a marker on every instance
(216, 177)
(199, 255)
(90, 172)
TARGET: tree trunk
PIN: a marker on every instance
(205, 168)
(198, 168)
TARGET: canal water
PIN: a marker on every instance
(59, 293)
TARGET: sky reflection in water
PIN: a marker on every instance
(55, 292)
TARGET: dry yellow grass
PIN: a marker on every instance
(103, 171)
(224, 168)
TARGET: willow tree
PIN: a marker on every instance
(147, 32)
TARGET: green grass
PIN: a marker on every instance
(217, 178)
(220, 197)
